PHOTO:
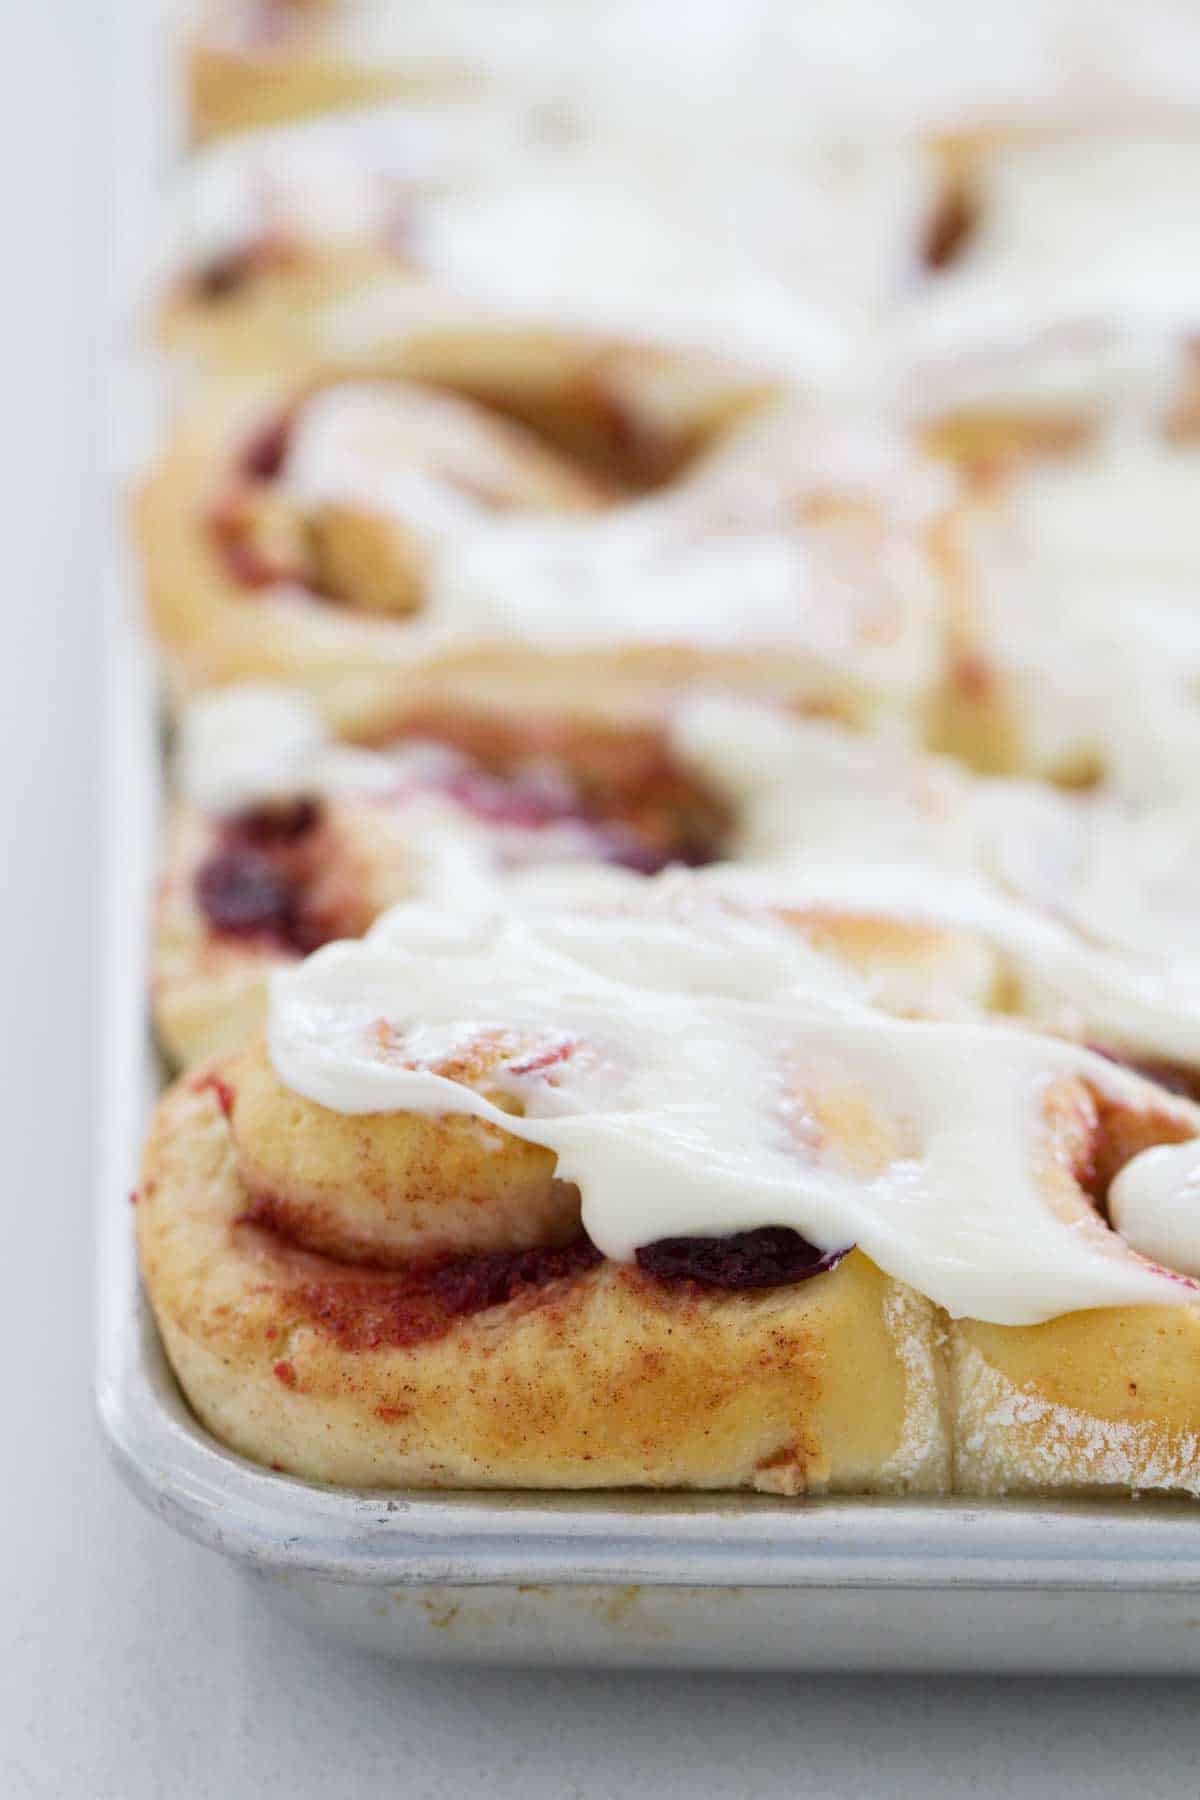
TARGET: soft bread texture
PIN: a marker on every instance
(394, 1187)
(1104, 1401)
(605, 1378)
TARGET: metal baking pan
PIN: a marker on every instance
(683, 1581)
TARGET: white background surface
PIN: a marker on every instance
(132, 1664)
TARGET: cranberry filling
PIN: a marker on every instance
(253, 884)
(264, 456)
(521, 803)
(772, 1256)
(241, 891)
(264, 827)
(526, 802)
(376, 1310)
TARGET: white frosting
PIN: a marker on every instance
(345, 180)
(1110, 520)
(241, 746)
(716, 563)
(1155, 1205)
(252, 744)
(1125, 880)
(1085, 569)
(1091, 906)
(785, 248)
(1073, 368)
(1083, 225)
(799, 784)
(862, 55)
(678, 1057)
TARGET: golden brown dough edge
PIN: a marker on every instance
(1106, 1401)
(229, 90)
(606, 1378)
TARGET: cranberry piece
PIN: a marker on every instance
(264, 456)
(240, 891)
(473, 1283)
(629, 852)
(772, 1256)
(264, 826)
(374, 1309)
(503, 802)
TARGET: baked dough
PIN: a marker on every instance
(590, 1375)
(396, 1299)
(838, 566)
(256, 62)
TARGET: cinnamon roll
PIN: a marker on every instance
(391, 547)
(273, 234)
(401, 1299)
(649, 1195)
(283, 840)
(371, 235)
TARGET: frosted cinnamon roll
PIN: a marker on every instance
(498, 1192)
(426, 234)
(272, 233)
(1075, 645)
(282, 840)
(419, 1300)
(389, 546)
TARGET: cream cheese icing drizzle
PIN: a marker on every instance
(346, 180)
(1092, 904)
(1075, 226)
(252, 744)
(663, 569)
(1084, 573)
(798, 784)
(674, 1057)
(865, 55)
(1155, 1204)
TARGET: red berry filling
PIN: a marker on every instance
(373, 1310)
(772, 1256)
(533, 801)
(241, 891)
(254, 884)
